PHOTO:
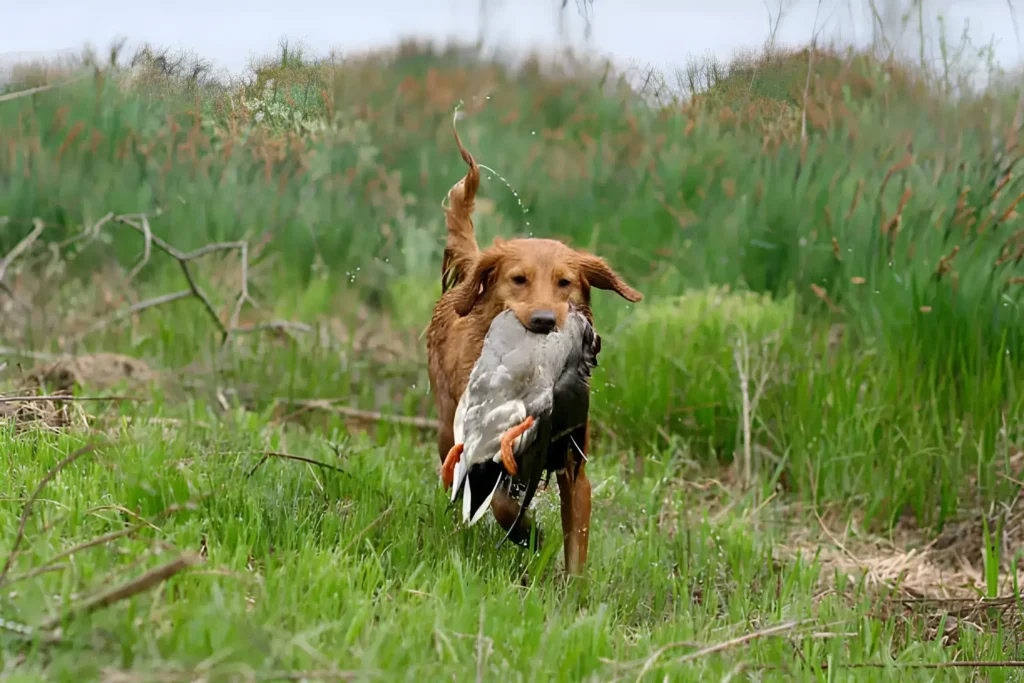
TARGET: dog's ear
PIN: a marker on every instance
(475, 283)
(599, 274)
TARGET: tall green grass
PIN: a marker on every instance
(891, 219)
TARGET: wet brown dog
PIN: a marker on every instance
(537, 279)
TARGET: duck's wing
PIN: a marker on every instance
(572, 387)
(478, 472)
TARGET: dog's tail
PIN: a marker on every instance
(460, 250)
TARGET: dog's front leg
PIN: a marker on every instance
(574, 494)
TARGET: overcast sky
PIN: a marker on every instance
(657, 32)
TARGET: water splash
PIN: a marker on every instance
(458, 115)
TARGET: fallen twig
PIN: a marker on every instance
(147, 246)
(369, 526)
(21, 247)
(141, 224)
(34, 355)
(777, 630)
(357, 413)
(318, 675)
(128, 589)
(20, 535)
(133, 309)
(38, 571)
(39, 89)
(1008, 664)
(273, 325)
(50, 564)
(288, 456)
(64, 398)
(807, 85)
(89, 233)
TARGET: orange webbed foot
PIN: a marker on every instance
(511, 435)
(448, 467)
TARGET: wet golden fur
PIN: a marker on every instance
(526, 276)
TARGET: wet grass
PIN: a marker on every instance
(862, 293)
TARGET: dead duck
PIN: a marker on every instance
(526, 403)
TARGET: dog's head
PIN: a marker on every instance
(537, 279)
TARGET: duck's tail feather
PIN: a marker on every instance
(476, 485)
(458, 479)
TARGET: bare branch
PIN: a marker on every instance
(370, 415)
(135, 308)
(807, 84)
(64, 398)
(146, 247)
(89, 233)
(42, 88)
(129, 589)
(780, 629)
(296, 458)
(21, 247)
(140, 223)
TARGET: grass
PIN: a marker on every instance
(840, 313)
(308, 569)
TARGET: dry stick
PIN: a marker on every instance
(780, 629)
(743, 367)
(273, 325)
(129, 589)
(34, 355)
(807, 84)
(750, 403)
(89, 233)
(297, 458)
(371, 415)
(48, 565)
(243, 295)
(91, 543)
(1008, 664)
(369, 526)
(20, 535)
(39, 89)
(59, 398)
(21, 246)
(147, 246)
(135, 308)
(481, 652)
(315, 675)
(140, 223)
(38, 571)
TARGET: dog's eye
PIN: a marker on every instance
(564, 283)
(519, 279)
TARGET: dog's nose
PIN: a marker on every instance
(542, 322)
